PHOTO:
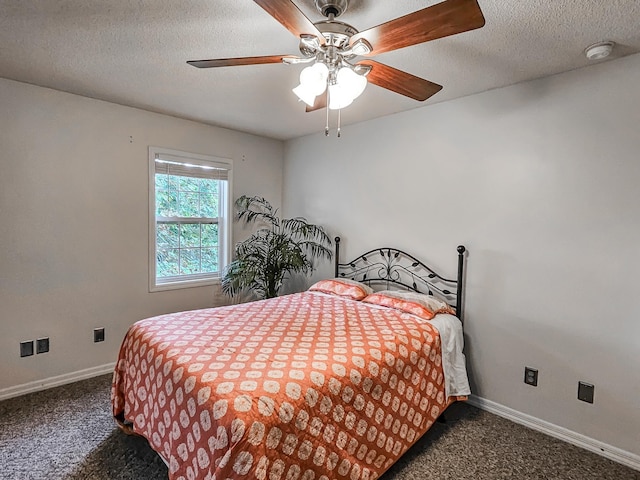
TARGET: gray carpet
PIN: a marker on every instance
(67, 433)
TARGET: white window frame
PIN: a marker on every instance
(224, 222)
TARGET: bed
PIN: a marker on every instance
(336, 382)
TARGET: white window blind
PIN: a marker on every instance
(172, 165)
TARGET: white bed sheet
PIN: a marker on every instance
(453, 359)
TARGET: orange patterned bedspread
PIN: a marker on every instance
(301, 387)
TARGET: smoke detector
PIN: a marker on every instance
(599, 50)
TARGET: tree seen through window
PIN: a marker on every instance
(187, 225)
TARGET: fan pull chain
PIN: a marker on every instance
(326, 128)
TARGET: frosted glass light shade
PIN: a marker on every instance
(305, 94)
(352, 82)
(315, 77)
(313, 82)
(339, 97)
(349, 86)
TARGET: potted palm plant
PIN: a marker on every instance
(278, 248)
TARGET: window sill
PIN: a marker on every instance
(161, 287)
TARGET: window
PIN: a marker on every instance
(189, 219)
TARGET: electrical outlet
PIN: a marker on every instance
(42, 345)
(98, 334)
(26, 348)
(585, 392)
(531, 376)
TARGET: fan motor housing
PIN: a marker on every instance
(336, 33)
(328, 7)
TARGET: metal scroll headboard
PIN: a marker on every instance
(386, 267)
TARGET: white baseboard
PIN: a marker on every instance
(612, 453)
(56, 381)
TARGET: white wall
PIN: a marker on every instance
(74, 221)
(540, 182)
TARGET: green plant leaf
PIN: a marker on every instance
(278, 248)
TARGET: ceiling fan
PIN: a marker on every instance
(331, 46)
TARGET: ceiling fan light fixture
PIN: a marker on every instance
(328, 46)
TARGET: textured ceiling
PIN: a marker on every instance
(134, 53)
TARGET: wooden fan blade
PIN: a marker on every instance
(291, 17)
(440, 20)
(400, 82)
(321, 102)
(231, 62)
